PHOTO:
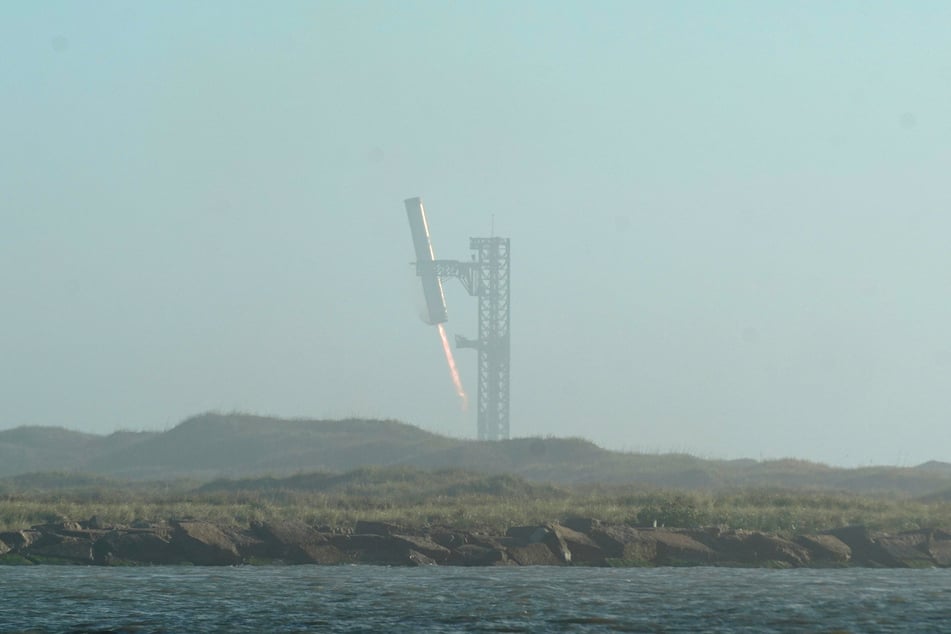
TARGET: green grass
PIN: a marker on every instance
(452, 497)
(11, 559)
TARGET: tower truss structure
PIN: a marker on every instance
(486, 277)
(491, 269)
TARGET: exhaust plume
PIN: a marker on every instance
(456, 381)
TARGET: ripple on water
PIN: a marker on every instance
(365, 598)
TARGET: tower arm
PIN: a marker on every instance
(465, 272)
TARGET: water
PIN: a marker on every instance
(378, 599)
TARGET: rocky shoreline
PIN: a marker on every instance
(577, 541)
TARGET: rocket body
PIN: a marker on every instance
(425, 262)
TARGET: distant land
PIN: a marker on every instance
(213, 445)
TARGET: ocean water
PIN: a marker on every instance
(380, 599)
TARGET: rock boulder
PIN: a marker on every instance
(295, 542)
(826, 550)
(203, 543)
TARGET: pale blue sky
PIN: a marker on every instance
(729, 220)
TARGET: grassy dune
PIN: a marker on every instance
(420, 497)
(337, 472)
(240, 446)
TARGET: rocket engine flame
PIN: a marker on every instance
(456, 381)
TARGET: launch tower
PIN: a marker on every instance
(486, 276)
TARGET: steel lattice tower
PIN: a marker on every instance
(487, 277)
(491, 271)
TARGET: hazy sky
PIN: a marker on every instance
(730, 221)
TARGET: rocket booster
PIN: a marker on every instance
(425, 258)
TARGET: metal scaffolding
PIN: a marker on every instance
(491, 269)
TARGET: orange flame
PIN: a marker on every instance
(456, 381)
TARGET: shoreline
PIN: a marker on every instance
(572, 542)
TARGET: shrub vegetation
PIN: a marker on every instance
(419, 498)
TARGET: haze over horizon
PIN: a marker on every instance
(729, 221)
